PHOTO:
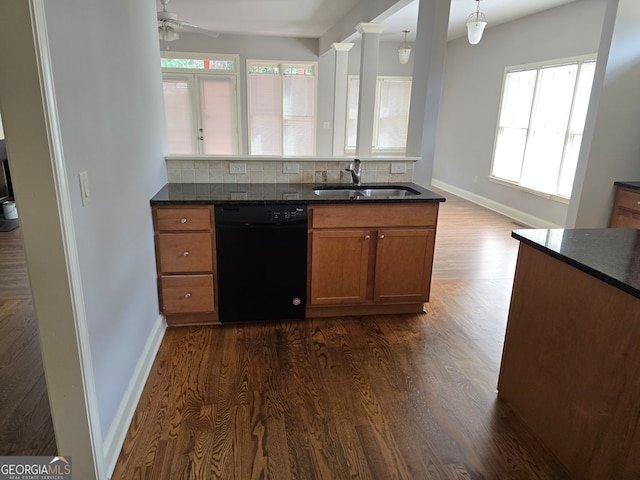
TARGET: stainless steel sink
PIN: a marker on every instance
(364, 191)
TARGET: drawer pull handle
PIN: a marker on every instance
(367, 237)
(187, 295)
(183, 220)
(381, 237)
(185, 254)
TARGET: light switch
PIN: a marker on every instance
(85, 192)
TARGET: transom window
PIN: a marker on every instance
(542, 117)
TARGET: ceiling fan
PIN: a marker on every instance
(169, 26)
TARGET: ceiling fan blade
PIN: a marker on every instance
(190, 27)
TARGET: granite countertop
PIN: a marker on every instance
(609, 254)
(631, 185)
(275, 193)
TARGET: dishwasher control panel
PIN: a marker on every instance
(288, 214)
(260, 214)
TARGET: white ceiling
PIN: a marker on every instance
(312, 18)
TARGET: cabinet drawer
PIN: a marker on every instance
(628, 199)
(392, 215)
(187, 294)
(183, 219)
(185, 252)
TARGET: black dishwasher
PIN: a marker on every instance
(261, 253)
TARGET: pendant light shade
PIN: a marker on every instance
(475, 25)
(404, 50)
(167, 33)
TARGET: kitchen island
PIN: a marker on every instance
(571, 361)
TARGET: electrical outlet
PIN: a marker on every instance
(238, 196)
(398, 168)
(290, 167)
(85, 193)
(238, 168)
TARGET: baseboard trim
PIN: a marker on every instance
(116, 435)
(516, 215)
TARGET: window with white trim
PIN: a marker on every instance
(201, 104)
(393, 99)
(540, 127)
(281, 108)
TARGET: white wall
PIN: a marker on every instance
(108, 92)
(611, 150)
(472, 89)
(1, 130)
(109, 98)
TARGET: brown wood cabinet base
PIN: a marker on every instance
(185, 262)
(374, 309)
(192, 319)
(571, 366)
(626, 209)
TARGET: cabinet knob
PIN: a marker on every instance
(381, 237)
(187, 295)
(367, 237)
(185, 254)
(201, 137)
(183, 220)
(638, 202)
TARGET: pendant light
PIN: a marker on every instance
(404, 50)
(167, 33)
(475, 25)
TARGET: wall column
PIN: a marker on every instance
(428, 71)
(610, 143)
(367, 96)
(340, 96)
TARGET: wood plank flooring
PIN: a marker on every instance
(401, 396)
(25, 418)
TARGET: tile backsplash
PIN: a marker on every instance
(263, 171)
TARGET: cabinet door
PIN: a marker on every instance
(339, 266)
(403, 265)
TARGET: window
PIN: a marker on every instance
(540, 127)
(201, 105)
(282, 108)
(393, 97)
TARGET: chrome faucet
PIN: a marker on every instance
(356, 171)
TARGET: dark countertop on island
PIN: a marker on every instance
(272, 193)
(609, 254)
(631, 185)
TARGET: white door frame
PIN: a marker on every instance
(34, 143)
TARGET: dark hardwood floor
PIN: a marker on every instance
(25, 417)
(400, 396)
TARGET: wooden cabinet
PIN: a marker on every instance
(403, 265)
(339, 263)
(185, 259)
(626, 208)
(370, 258)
